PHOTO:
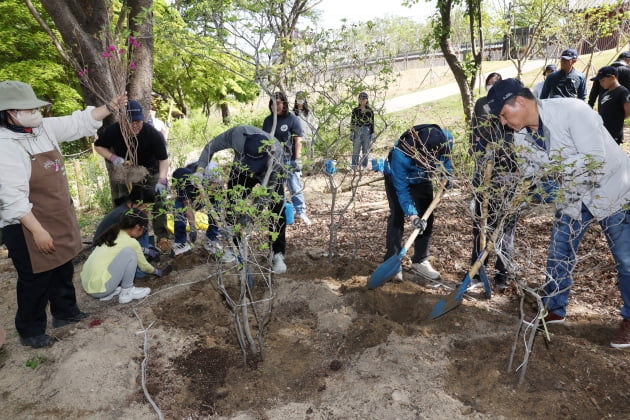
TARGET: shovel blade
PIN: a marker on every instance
(386, 271)
(450, 301)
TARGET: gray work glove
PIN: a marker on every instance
(160, 186)
(116, 160)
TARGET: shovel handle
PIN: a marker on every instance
(427, 212)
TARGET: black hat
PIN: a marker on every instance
(255, 155)
(501, 92)
(624, 56)
(569, 54)
(605, 72)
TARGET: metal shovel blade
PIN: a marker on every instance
(450, 301)
(386, 270)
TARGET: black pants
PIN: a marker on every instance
(422, 196)
(249, 181)
(505, 245)
(36, 290)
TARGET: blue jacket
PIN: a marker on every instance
(406, 171)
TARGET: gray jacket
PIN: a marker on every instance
(580, 154)
(234, 138)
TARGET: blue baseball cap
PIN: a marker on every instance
(550, 67)
(134, 111)
(255, 155)
(501, 92)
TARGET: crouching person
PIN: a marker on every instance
(111, 268)
(412, 161)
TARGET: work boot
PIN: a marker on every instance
(622, 338)
(131, 293)
(60, 322)
(424, 269)
(36, 341)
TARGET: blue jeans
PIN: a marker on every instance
(180, 221)
(565, 241)
(295, 189)
(361, 142)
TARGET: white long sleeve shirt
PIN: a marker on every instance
(15, 162)
(590, 166)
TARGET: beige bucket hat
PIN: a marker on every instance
(18, 95)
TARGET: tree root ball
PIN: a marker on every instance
(129, 174)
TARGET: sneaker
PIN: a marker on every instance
(551, 318)
(424, 269)
(228, 256)
(305, 219)
(180, 248)
(622, 337)
(131, 293)
(278, 266)
(398, 278)
(213, 247)
(37, 341)
(60, 322)
(109, 297)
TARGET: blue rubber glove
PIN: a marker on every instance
(152, 253)
(158, 273)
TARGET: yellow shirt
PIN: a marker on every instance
(95, 273)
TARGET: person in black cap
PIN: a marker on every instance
(252, 158)
(623, 76)
(150, 153)
(362, 130)
(566, 82)
(614, 101)
(565, 139)
(549, 68)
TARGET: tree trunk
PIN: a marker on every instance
(82, 24)
(140, 80)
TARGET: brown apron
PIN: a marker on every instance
(52, 206)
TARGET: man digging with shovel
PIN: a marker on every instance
(413, 160)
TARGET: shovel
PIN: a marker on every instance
(391, 266)
(454, 299)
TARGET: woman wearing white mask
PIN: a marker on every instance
(39, 225)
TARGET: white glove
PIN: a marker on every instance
(160, 186)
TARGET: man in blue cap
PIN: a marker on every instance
(150, 153)
(254, 154)
(594, 184)
(614, 101)
(566, 82)
(622, 64)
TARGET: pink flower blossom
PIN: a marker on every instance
(106, 54)
(112, 48)
(133, 42)
(83, 72)
(132, 65)
(121, 51)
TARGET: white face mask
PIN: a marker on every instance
(488, 87)
(28, 118)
